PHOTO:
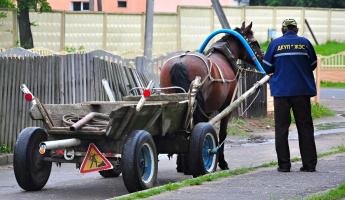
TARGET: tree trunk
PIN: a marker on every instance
(25, 34)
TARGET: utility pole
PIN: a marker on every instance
(220, 14)
(148, 29)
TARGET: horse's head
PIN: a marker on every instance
(247, 33)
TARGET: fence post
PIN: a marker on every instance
(178, 34)
(243, 14)
(212, 21)
(302, 21)
(15, 28)
(274, 18)
(140, 63)
(105, 30)
(142, 31)
(329, 25)
(317, 80)
(63, 31)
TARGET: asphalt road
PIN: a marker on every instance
(67, 183)
(332, 93)
(334, 99)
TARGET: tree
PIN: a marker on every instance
(6, 4)
(24, 6)
(300, 3)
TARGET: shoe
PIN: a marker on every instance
(305, 169)
(283, 169)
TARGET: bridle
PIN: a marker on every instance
(254, 44)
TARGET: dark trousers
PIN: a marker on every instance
(301, 108)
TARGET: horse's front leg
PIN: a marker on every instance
(222, 135)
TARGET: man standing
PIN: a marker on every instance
(292, 60)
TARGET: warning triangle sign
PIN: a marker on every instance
(94, 161)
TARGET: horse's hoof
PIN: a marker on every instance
(179, 169)
(223, 166)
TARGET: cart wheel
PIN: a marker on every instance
(110, 173)
(31, 171)
(139, 161)
(201, 159)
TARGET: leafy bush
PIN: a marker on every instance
(5, 149)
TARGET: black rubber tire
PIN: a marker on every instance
(132, 150)
(111, 173)
(196, 161)
(31, 172)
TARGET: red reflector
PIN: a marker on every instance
(147, 93)
(28, 97)
(59, 152)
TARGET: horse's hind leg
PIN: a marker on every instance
(222, 135)
(182, 164)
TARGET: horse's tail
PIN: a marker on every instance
(179, 76)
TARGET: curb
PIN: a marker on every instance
(6, 159)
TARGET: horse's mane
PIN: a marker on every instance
(228, 37)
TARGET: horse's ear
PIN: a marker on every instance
(248, 28)
(243, 25)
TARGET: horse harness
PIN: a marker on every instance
(209, 65)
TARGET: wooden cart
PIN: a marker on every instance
(128, 139)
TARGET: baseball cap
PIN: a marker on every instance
(289, 22)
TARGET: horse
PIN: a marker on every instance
(218, 71)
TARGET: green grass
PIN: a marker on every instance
(333, 194)
(329, 48)
(5, 149)
(214, 176)
(236, 126)
(264, 46)
(239, 126)
(327, 84)
(317, 111)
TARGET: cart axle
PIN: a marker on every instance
(58, 144)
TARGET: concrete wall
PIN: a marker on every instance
(184, 30)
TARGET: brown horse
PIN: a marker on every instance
(218, 70)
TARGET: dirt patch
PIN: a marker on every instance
(251, 126)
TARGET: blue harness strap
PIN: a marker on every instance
(243, 41)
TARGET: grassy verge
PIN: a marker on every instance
(244, 126)
(327, 84)
(333, 194)
(237, 127)
(318, 111)
(329, 48)
(5, 149)
(214, 176)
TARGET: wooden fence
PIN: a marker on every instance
(60, 79)
(335, 61)
(75, 78)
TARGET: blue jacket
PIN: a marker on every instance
(292, 60)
